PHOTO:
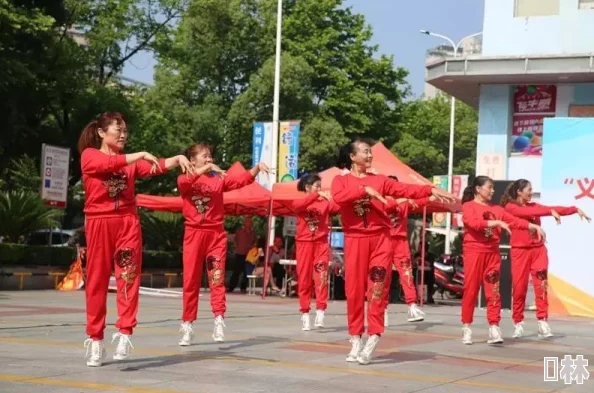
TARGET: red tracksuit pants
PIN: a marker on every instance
(485, 268)
(313, 260)
(113, 243)
(526, 262)
(367, 262)
(402, 262)
(199, 246)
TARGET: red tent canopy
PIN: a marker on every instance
(250, 200)
(384, 162)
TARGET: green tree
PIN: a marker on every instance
(424, 140)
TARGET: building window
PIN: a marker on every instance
(586, 4)
(528, 8)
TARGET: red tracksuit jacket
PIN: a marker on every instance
(362, 216)
(532, 213)
(398, 215)
(313, 215)
(109, 182)
(477, 236)
(202, 198)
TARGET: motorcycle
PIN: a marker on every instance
(449, 276)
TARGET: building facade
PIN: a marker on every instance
(537, 61)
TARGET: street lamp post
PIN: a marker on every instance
(451, 145)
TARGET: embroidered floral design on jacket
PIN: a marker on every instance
(362, 207)
(116, 184)
(313, 219)
(201, 196)
(488, 232)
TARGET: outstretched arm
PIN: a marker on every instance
(95, 162)
(343, 195)
(301, 205)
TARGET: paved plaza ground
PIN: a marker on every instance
(42, 335)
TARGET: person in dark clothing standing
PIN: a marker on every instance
(244, 238)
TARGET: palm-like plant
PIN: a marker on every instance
(162, 230)
(23, 212)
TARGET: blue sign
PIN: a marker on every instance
(337, 240)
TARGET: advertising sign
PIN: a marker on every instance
(459, 183)
(55, 165)
(288, 151)
(262, 151)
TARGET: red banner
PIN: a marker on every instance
(535, 99)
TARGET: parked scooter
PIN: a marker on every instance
(449, 276)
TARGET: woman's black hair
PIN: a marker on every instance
(511, 192)
(470, 191)
(307, 179)
(344, 155)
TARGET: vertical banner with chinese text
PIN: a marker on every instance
(568, 180)
(459, 183)
(288, 150)
(262, 151)
(532, 104)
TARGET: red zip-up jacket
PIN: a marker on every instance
(398, 215)
(478, 237)
(202, 198)
(532, 212)
(363, 216)
(313, 217)
(109, 182)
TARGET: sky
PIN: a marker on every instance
(395, 25)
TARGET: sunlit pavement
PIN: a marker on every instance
(42, 335)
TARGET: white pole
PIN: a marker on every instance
(275, 110)
(448, 233)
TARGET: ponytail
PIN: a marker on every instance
(468, 194)
(344, 156)
(511, 191)
(90, 138)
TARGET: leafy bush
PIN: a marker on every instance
(162, 231)
(23, 212)
(24, 255)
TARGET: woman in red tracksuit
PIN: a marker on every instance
(368, 247)
(205, 238)
(112, 227)
(313, 248)
(482, 260)
(529, 254)
(398, 211)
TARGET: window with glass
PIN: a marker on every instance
(586, 4)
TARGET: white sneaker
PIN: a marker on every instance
(415, 313)
(319, 322)
(518, 330)
(187, 331)
(95, 352)
(305, 322)
(365, 355)
(494, 335)
(466, 335)
(386, 321)
(124, 344)
(544, 330)
(218, 334)
(356, 345)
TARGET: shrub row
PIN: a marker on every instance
(12, 255)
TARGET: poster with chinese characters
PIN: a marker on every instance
(532, 104)
(459, 183)
(491, 164)
(288, 151)
(55, 165)
(262, 151)
(568, 180)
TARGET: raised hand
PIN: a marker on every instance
(262, 167)
(374, 194)
(443, 196)
(539, 232)
(504, 225)
(153, 160)
(218, 170)
(556, 216)
(185, 165)
(583, 215)
(324, 194)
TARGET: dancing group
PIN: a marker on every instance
(373, 210)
